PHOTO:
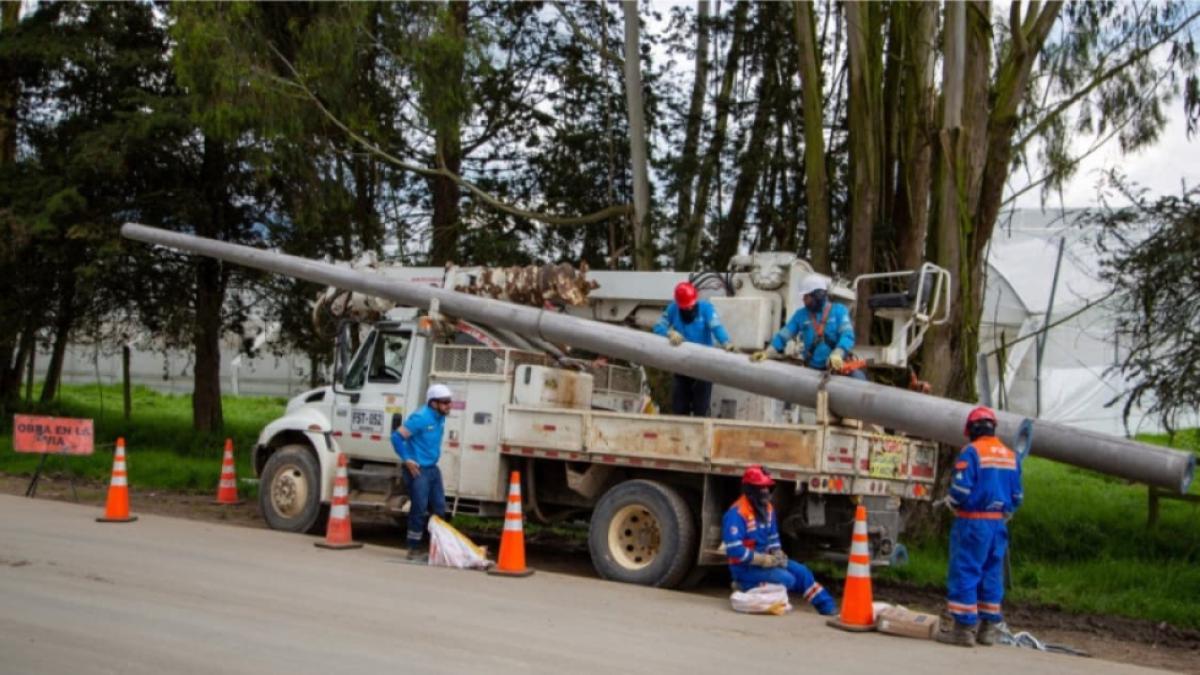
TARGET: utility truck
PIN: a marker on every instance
(653, 487)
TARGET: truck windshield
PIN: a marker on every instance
(387, 360)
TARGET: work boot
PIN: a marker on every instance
(414, 555)
(989, 632)
(951, 632)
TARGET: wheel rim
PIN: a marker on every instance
(634, 537)
(289, 491)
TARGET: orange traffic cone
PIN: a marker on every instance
(512, 540)
(337, 532)
(227, 487)
(116, 507)
(858, 614)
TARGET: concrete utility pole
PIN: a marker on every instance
(919, 415)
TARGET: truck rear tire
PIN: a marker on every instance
(289, 492)
(642, 532)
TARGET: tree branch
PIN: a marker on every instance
(549, 219)
(1062, 106)
(578, 32)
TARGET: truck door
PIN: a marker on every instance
(374, 390)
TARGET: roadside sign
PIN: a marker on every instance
(52, 435)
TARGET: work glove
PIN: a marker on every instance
(760, 355)
(837, 360)
(675, 338)
(728, 346)
(780, 557)
(764, 560)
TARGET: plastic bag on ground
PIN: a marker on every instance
(450, 548)
(764, 599)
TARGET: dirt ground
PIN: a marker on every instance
(1133, 641)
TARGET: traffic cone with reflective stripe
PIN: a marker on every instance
(116, 507)
(512, 539)
(227, 487)
(337, 532)
(857, 614)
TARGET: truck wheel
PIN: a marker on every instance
(642, 532)
(290, 491)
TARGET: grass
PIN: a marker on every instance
(163, 452)
(1081, 542)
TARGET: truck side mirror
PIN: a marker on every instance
(341, 354)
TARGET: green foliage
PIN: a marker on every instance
(1150, 251)
(163, 451)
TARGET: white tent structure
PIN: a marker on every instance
(1075, 379)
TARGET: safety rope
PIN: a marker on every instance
(1029, 641)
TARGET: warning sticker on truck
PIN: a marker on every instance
(366, 421)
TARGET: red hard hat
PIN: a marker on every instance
(757, 476)
(979, 414)
(685, 295)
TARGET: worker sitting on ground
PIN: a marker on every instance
(692, 320)
(418, 442)
(825, 331)
(751, 536)
(984, 493)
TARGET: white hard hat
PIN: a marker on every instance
(438, 391)
(813, 282)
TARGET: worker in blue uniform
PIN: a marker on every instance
(750, 532)
(418, 442)
(690, 319)
(984, 493)
(825, 330)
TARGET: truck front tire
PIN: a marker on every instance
(642, 532)
(289, 491)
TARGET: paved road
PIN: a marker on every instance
(165, 595)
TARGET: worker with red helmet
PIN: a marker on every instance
(984, 493)
(690, 319)
(750, 532)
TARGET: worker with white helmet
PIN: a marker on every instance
(418, 442)
(824, 329)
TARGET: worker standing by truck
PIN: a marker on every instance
(984, 493)
(690, 319)
(418, 442)
(825, 330)
(750, 531)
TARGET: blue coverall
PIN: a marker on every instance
(820, 334)
(690, 396)
(425, 491)
(985, 491)
(744, 536)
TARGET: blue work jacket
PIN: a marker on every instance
(819, 333)
(987, 480)
(424, 446)
(744, 534)
(703, 329)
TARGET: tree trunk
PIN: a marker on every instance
(939, 367)
(10, 14)
(445, 192)
(687, 160)
(865, 137)
(911, 211)
(64, 321)
(126, 385)
(643, 245)
(752, 160)
(716, 145)
(815, 179)
(207, 415)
